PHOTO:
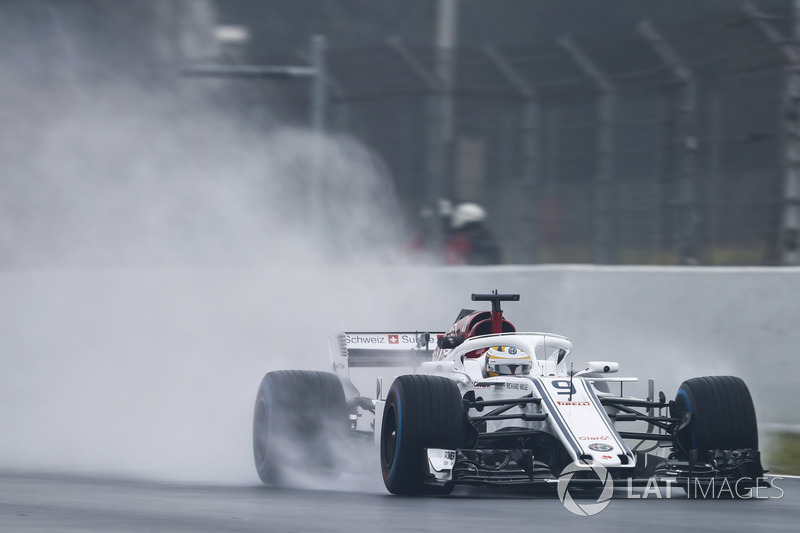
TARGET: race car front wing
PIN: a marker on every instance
(530, 457)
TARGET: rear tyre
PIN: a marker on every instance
(299, 418)
(722, 415)
(421, 411)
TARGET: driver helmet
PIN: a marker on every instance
(507, 361)
(467, 213)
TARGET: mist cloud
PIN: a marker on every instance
(159, 252)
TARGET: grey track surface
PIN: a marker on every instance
(49, 502)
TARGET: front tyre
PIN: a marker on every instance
(722, 416)
(299, 418)
(421, 411)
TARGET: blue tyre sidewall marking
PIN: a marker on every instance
(398, 425)
(689, 409)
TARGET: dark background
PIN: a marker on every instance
(545, 194)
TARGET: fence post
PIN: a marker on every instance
(318, 82)
(687, 142)
(334, 105)
(530, 150)
(604, 234)
(446, 42)
(714, 165)
(789, 231)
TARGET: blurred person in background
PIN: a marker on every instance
(470, 242)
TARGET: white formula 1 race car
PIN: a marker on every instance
(483, 404)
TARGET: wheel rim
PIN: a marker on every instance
(389, 437)
(682, 406)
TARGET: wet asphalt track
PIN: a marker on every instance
(44, 502)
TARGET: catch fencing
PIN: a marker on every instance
(654, 148)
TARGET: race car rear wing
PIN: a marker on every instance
(383, 349)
